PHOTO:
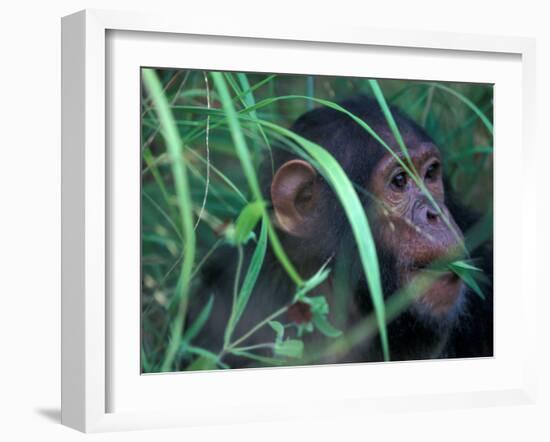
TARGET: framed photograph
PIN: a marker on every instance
(266, 223)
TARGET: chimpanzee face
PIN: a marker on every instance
(417, 231)
(413, 231)
(416, 235)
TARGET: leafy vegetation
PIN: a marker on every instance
(205, 136)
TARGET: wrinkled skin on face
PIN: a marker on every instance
(413, 231)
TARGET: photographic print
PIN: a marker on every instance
(291, 220)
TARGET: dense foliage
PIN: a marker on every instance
(205, 137)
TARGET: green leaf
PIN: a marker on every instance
(468, 278)
(325, 327)
(364, 125)
(247, 95)
(248, 101)
(202, 363)
(247, 220)
(248, 168)
(304, 327)
(249, 91)
(464, 265)
(291, 348)
(197, 326)
(311, 283)
(338, 179)
(279, 330)
(185, 203)
(248, 284)
(319, 304)
(263, 359)
(148, 157)
(389, 118)
(252, 275)
(206, 360)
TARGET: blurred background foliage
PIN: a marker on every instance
(457, 116)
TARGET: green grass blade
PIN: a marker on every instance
(206, 361)
(364, 125)
(318, 278)
(148, 157)
(468, 278)
(234, 85)
(174, 146)
(203, 363)
(262, 359)
(220, 174)
(468, 103)
(252, 274)
(379, 95)
(255, 87)
(197, 326)
(325, 327)
(248, 168)
(338, 179)
(237, 135)
(247, 220)
(163, 213)
(249, 100)
(464, 265)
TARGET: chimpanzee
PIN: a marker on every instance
(410, 233)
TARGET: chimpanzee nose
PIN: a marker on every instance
(431, 215)
(424, 213)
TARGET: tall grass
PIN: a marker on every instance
(205, 136)
(173, 142)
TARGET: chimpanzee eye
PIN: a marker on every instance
(399, 181)
(431, 173)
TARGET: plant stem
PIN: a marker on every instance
(254, 347)
(230, 323)
(255, 329)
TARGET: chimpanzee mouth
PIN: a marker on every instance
(438, 267)
(432, 273)
(430, 270)
(439, 288)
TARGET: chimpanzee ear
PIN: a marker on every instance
(295, 195)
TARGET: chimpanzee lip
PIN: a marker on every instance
(428, 267)
(443, 289)
(439, 267)
(439, 273)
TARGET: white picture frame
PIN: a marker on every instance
(89, 363)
